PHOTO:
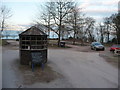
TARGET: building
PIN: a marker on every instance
(33, 46)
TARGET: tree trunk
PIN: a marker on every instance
(59, 35)
(108, 35)
(62, 35)
(2, 25)
(75, 25)
(118, 36)
(60, 24)
(74, 38)
(49, 26)
(102, 38)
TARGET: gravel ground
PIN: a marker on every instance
(84, 70)
(66, 68)
(22, 75)
(108, 56)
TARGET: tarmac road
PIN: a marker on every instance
(80, 70)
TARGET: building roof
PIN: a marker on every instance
(33, 31)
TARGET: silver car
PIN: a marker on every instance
(97, 46)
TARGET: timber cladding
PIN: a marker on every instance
(33, 46)
(27, 57)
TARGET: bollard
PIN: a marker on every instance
(32, 67)
(42, 66)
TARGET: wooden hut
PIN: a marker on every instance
(33, 46)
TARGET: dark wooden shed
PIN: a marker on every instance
(33, 46)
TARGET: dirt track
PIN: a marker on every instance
(72, 69)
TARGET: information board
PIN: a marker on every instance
(36, 57)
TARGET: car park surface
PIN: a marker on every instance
(79, 69)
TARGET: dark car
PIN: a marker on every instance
(113, 47)
(97, 46)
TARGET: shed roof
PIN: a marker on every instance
(33, 31)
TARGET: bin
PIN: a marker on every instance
(62, 44)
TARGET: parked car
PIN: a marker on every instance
(113, 47)
(97, 46)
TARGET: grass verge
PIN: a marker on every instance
(3, 42)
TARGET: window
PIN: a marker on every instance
(33, 38)
(38, 42)
(27, 38)
(24, 47)
(23, 42)
(23, 38)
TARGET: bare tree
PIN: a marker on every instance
(101, 31)
(89, 30)
(75, 20)
(5, 14)
(107, 23)
(58, 11)
(46, 17)
(115, 20)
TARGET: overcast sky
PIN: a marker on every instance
(24, 11)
